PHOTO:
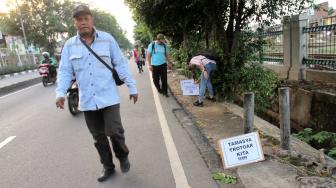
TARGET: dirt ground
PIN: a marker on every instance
(216, 122)
(213, 119)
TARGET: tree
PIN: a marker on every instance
(142, 34)
(222, 25)
(44, 21)
(106, 22)
(222, 19)
(48, 21)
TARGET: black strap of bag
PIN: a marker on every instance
(153, 48)
(115, 75)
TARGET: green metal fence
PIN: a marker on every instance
(272, 47)
(321, 51)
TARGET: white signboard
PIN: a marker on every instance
(183, 82)
(189, 87)
(1, 36)
(241, 150)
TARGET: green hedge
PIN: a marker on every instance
(9, 69)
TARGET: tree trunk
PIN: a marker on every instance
(185, 35)
(207, 37)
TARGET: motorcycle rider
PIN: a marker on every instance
(49, 60)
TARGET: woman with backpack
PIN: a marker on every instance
(137, 58)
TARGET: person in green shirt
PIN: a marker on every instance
(49, 60)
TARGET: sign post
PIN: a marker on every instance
(241, 150)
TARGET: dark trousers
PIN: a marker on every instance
(53, 71)
(103, 124)
(139, 63)
(160, 74)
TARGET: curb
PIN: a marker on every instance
(17, 86)
(18, 73)
(208, 153)
(204, 146)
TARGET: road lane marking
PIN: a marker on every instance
(2, 144)
(19, 91)
(175, 162)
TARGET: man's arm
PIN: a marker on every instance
(149, 56)
(170, 62)
(53, 61)
(120, 64)
(168, 57)
(64, 78)
(149, 59)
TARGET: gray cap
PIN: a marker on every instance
(81, 9)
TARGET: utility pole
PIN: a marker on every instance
(22, 27)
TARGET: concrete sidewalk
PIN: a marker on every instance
(17, 81)
(221, 120)
(206, 125)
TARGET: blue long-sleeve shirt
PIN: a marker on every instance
(97, 88)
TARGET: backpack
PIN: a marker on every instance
(143, 53)
(153, 48)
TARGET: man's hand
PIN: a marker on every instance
(150, 67)
(205, 74)
(134, 97)
(170, 66)
(60, 102)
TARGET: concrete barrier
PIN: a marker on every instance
(20, 85)
(321, 76)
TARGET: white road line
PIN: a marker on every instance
(175, 162)
(2, 144)
(2, 97)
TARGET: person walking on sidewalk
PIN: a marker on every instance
(143, 55)
(137, 58)
(99, 98)
(158, 57)
(207, 66)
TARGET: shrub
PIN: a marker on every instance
(318, 140)
(262, 82)
(9, 69)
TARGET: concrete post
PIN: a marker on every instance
(19, 58)
(298, 46)
(286, 30)
(248, 112)
(284, 112)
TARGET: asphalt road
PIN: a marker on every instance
(52, 149)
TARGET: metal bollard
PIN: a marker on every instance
(284, 112)
(248, 112)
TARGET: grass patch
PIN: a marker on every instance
(224, 178)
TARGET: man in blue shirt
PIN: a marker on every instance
(158, 57)
(98, 93)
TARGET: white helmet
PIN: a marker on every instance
(45, 54)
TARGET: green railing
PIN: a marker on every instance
(272, 47)
(321, 51)
(321, 64)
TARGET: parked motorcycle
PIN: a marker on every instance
(47, 76)
(73, 98)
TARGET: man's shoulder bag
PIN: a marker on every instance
(115, 75)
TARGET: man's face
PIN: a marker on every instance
(84, 24)
(162, 41)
